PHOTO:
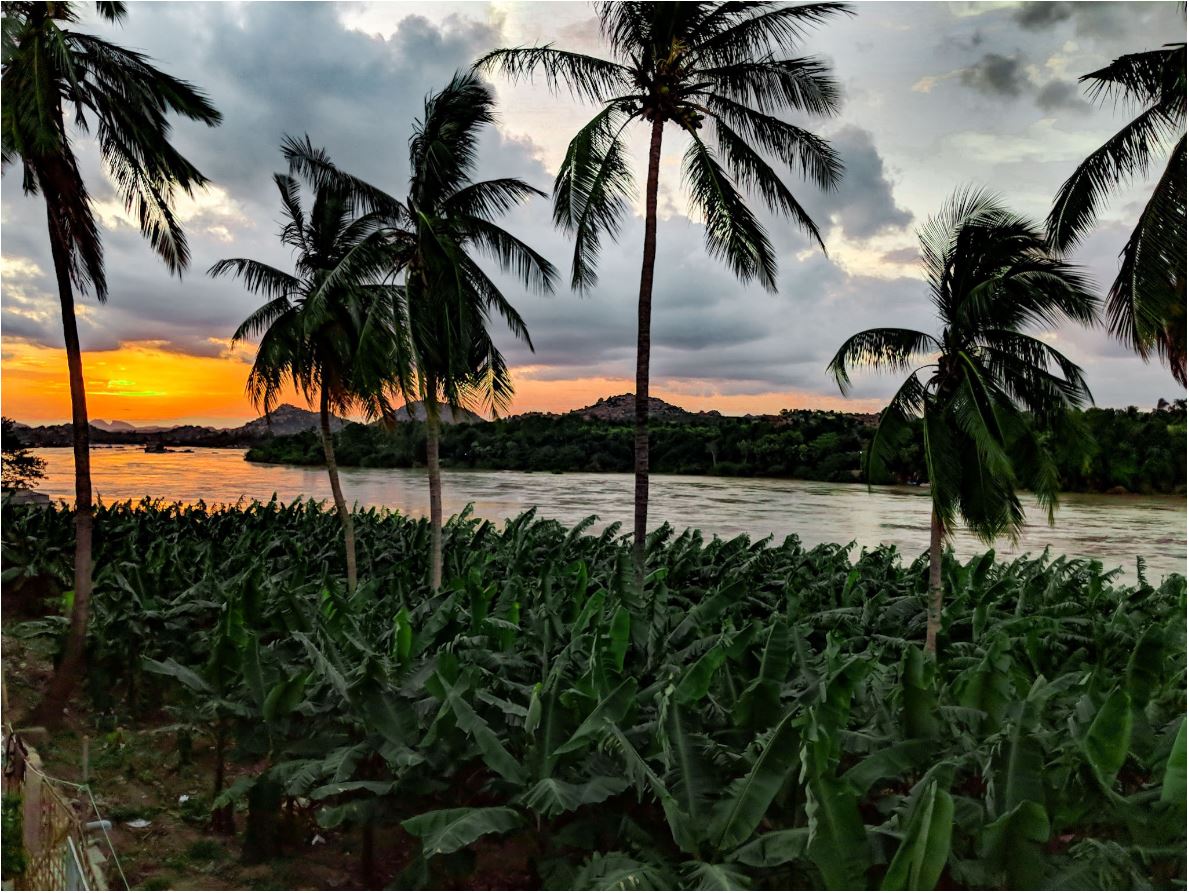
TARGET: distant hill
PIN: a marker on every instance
(622, 408)
(415, 411)
(113, 425)
(286, 419)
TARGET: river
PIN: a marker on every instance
(1113, 529)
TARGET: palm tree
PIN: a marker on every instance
(984, 388)
(687, 63)
(446, 298)
(48, 67)
(327, 329)
(1146, 304)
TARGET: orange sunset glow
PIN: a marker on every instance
(143, 384)
(139, 383)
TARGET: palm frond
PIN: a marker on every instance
(1146, 303)
(779, 29)
(895, 422)
(490, 198)
(530, 268)
(770, 85)
(943, 461)
(1035, 467)
(1125, 155)
(798, 148)
(965, 208)
(1155, 77)
(442, 150)
(1022, 363)
(733, 234)
(111, 10)
(261, 319)
(314, 165)
(593, 187)
(119, 76)
(975, 407)
(258, 278)
(882, 350)
(492, 298)
(754, 174)
(584, 77)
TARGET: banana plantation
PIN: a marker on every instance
(760, 715)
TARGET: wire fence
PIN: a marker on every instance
(54, 834)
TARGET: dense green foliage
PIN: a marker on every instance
(760, 715)
(12, 839)
(991, 398)
(1141, 451)
(20, 468)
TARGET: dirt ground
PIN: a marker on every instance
(137, 775)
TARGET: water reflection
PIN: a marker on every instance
(1113, 529)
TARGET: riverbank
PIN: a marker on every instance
(1102, 450)
(1112, 529)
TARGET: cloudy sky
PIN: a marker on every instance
(937, 95)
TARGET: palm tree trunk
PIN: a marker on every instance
(644, 351)
(433, 424)
(340, 503)
(933, 621)
(71, 667)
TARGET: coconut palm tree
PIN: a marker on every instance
(328, 329)
(49, 68)
(692, 65)
(1146, 304)
(985, 389)
(434, 238)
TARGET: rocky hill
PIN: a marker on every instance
(285, 419)
(113, 425)
(415, 411)
(622, 408)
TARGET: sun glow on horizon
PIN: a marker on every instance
(143, 383)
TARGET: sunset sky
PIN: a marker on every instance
(936, 95)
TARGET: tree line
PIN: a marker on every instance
(1144, 451)
(388, 297)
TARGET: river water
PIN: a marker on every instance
(1114, 529)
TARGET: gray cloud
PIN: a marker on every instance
(1057, 95)
(706, 324)
(1090, 19)
(271, 68)
(863, 204)
(1043, 13)
(294, 68)
(997, 75)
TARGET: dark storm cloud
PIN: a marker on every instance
(707, 324)
(277, 68)
(1091, 19)
(271, 69)
(997, 75)
(1058, 95)
(1043, 14)
(862, 204)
